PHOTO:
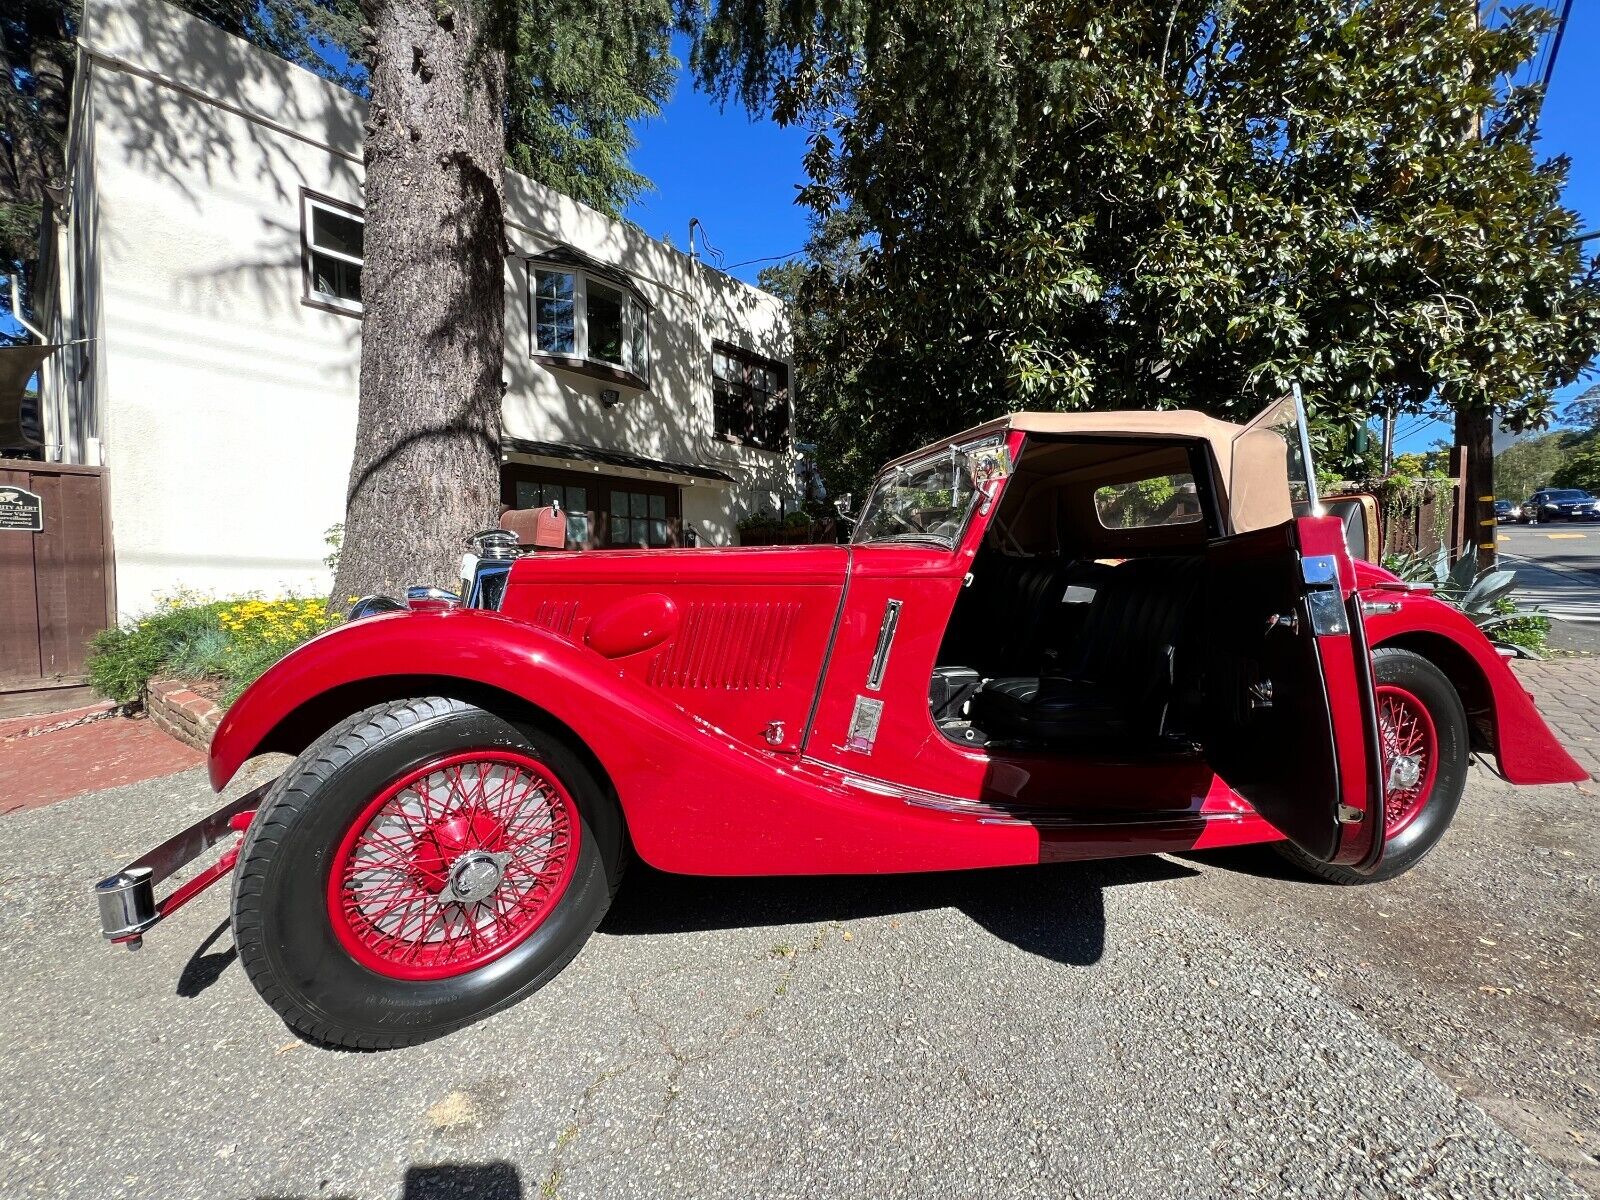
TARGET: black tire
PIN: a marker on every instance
(1406, 849)
(281, 921)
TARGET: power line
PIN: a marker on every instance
(769, 258)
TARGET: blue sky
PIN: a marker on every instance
(736, 175)
(739, 176)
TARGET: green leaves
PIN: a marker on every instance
(1080, 206)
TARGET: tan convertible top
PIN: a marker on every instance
(1252, 463)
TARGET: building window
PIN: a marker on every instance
(639, 519)
(553, 313)
(750, 398)
(589, 320)
(331, 238)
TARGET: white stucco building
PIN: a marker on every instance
(206, 284)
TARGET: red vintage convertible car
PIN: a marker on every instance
(1051, 637)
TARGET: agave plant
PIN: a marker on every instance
(1485, 597)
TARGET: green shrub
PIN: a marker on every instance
(1486, 599)
(1527, 629)
(189, 637)
(764, 521)
(123, 660)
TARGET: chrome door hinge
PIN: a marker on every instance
(1324, 597)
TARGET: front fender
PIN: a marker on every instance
(468, 644)
(1525, 748)
(696, 799)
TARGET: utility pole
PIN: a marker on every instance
(1475, 436)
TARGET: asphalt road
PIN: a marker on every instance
(1558, 569)
(1153, 1027)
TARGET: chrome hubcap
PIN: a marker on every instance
(1404, 772)
(475, 875)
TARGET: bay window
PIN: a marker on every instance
(586, 322)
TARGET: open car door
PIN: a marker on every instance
(1290, 720)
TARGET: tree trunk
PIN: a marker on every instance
(1475, 431)
(426, 470)
(1475, 434)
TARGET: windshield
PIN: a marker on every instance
(1283, 420)
(930, 499)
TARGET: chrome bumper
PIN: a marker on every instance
(127, 899)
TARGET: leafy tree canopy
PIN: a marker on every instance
(1527, 465)
(1097, 204)
(1580, 468)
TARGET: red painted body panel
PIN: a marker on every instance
(1525, 749)
(715, 687)
(742, 646)
(1349, 696)
(699, 801)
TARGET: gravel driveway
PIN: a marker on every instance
(1146, 1028)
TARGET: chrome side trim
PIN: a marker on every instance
(880, 656)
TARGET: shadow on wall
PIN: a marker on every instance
(166, 133)
(305, 132)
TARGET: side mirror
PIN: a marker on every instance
(841, 505)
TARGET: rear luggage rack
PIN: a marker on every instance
(128, 904)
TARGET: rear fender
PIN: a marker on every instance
(696, 799)
(1500, 708)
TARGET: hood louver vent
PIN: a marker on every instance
(737, 647)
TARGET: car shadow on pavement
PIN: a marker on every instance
(206, 966)
(447, 1181)
(1257, 861)
(1056, 912)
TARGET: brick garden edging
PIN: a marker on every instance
(176, 709)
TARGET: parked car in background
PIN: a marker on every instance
(1053, 637)
(1509, 511)
(1556, 504)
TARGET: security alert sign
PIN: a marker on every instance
(21, 511)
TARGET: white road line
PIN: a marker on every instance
(1565, 593)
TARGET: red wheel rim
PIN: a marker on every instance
(1410, 756)
(453, 864)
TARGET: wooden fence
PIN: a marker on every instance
(56, 586)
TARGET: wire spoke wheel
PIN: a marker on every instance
(453, 864)
(1410, 756)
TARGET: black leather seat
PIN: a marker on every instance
(1048, 709)
(1008, 621)
(1120, 674)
